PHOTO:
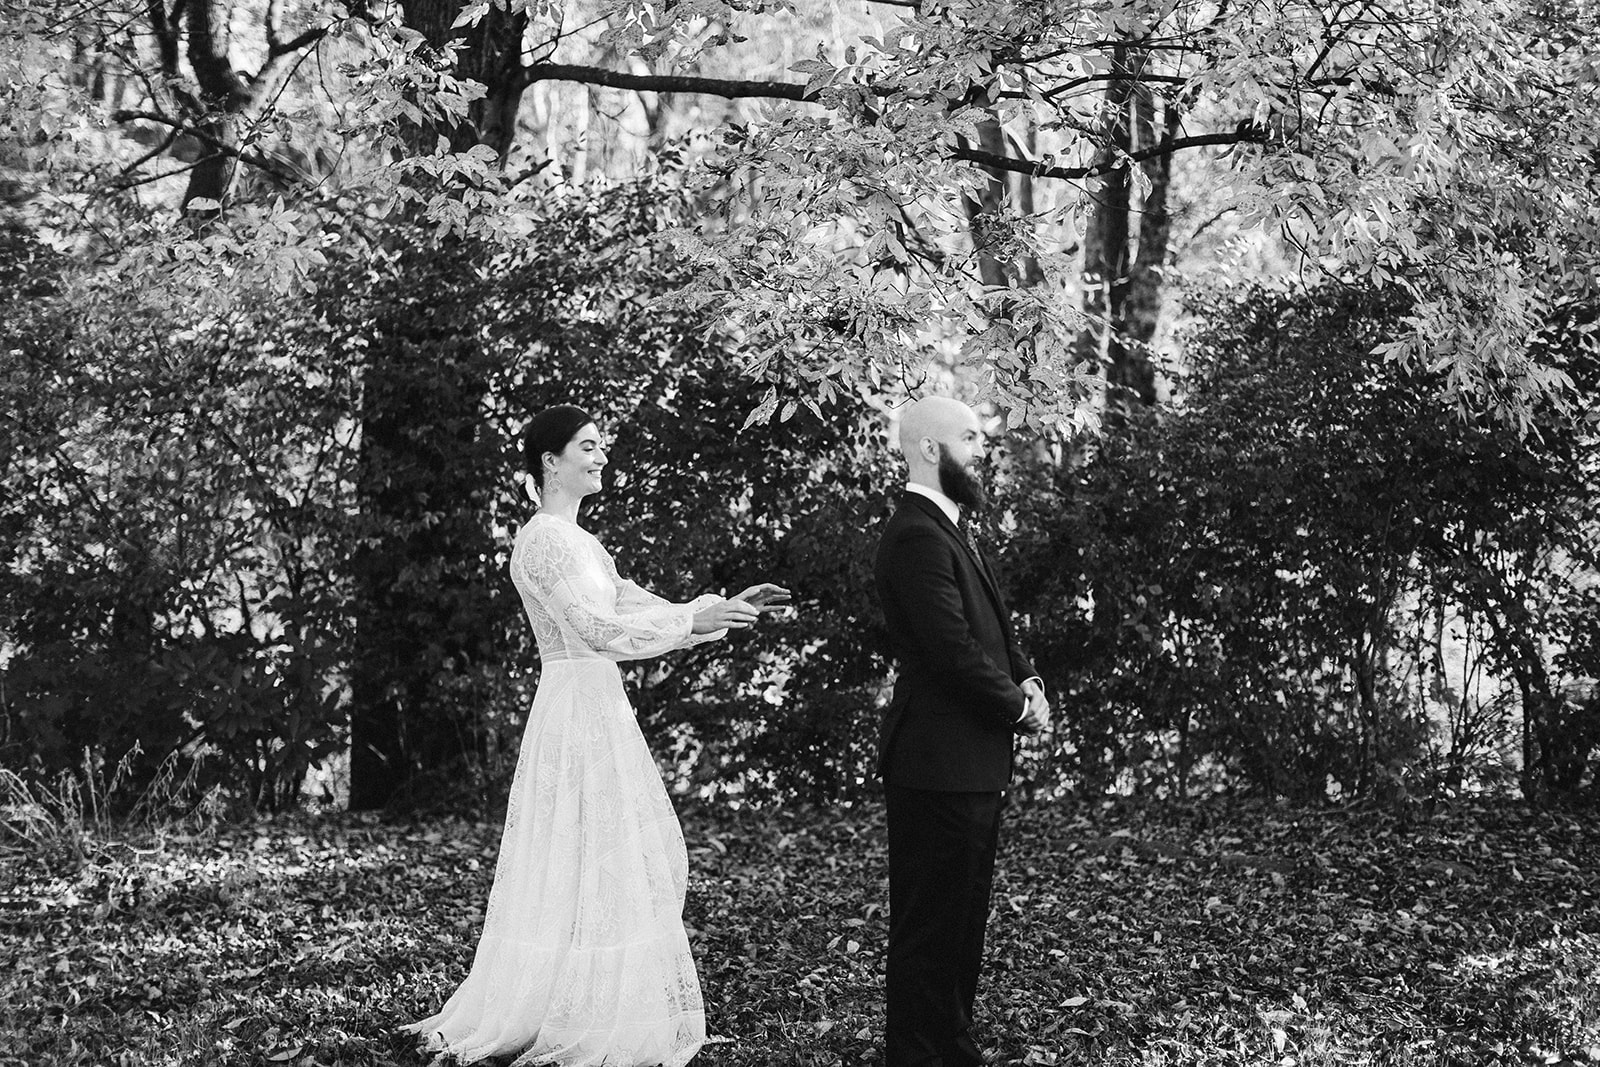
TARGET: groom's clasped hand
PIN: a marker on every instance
(1036, 712)
(742, 611)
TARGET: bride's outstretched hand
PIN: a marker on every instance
(766, 596)
(734, 614)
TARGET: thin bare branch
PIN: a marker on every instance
(1104, 166)
(166, 143)
(665, 83)
(255, 159)
(124, 184)
(1110, 76)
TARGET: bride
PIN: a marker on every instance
(583, 960)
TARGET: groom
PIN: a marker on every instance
(964, 691)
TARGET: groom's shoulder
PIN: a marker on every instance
(907, 517)
(900, 512)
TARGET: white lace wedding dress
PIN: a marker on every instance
(583, 960)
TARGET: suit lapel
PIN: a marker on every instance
(954, 533)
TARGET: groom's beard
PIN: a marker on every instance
(959, 484)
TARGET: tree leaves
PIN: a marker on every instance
(1446, 151)
(1249, 577)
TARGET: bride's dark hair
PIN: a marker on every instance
(552, 430)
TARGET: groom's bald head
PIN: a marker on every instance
(930, 422)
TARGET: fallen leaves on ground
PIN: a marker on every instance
(1123, 933)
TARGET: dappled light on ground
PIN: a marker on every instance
(1122, 934)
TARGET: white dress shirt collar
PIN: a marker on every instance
(951, 509)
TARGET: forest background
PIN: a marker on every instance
(1284, 315)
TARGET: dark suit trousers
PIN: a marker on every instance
(941, 870)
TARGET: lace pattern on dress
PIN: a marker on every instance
(569, 588)
(584, 960)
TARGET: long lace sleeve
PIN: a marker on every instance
(551, 560)
(633, 598)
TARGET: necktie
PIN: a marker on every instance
(972, 543)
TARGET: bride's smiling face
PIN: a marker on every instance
(577, 469)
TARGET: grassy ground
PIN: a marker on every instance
(1123, 934)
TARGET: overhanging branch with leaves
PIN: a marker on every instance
(732, 89)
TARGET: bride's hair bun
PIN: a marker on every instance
(551, 430)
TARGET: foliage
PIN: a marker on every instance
(172, 502)
(793, 707)
(1445, 150)
(1264, 594)
(72, 817)
(210, 506)
(1441, 149)
(1264, 578)
(1124, 934)
(252, 495)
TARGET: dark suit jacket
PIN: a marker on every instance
(957, 697)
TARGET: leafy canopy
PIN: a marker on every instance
(1445, 149)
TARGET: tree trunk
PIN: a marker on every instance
(1105, 244)
(489, 53)
(225, 96)
(1122, 289)
(421, 601)
(987, 205)
(426, 603)
(1128, 365)
(991, 201)
(1538, 709)
(229, 101)
(1027, 270)
(1541, 707)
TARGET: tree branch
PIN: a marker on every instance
(1330, 39)
(166, 143)
(1105, 166)
(1088, 79)
(124, 184)
(730, 89)
(276, 46)
(664, 83)
(274, 26)
(255, 159)
(305, 40)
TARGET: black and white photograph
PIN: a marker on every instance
(799, 533)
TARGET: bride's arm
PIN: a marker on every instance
(549, 558)
(633, 598)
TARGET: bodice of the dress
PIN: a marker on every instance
(581, 608)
